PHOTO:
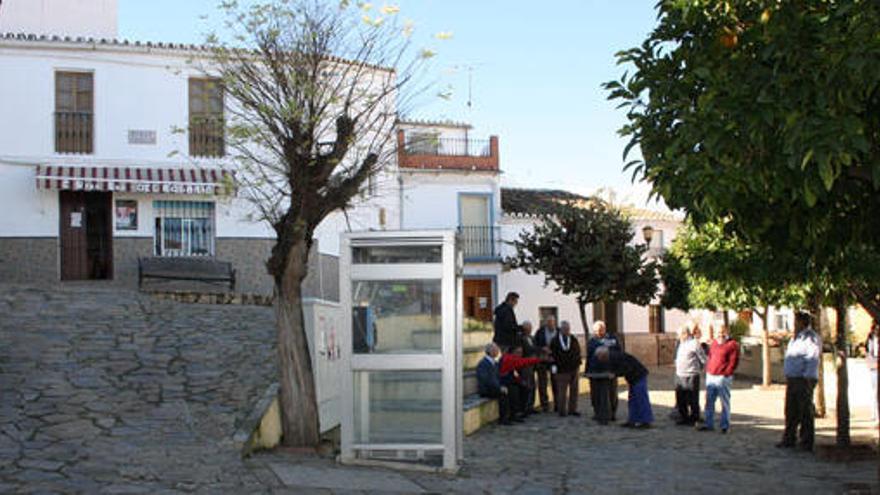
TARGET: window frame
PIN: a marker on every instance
(186, 229)
(205, 97)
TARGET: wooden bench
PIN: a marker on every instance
(200, 269)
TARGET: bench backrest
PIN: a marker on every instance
(186, 265)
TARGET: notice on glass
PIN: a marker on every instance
(76, 219)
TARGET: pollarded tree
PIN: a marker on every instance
(588, 252)
(312, 90)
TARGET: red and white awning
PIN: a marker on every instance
(194, 181)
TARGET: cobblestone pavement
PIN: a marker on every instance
(552, 455)
(107, 390)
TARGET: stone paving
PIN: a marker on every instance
(109, 391)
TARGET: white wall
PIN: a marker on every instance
(430, 198)
(442, 131)
(26, 212)
(86, 18)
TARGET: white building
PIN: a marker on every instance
(94, 175)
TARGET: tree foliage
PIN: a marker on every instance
(588, 253)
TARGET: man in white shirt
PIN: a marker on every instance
(802, 360)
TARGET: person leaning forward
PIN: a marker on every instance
(566, 351)
(801, 365)
(506, 329)
(603, 391)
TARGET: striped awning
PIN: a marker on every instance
(194, 181)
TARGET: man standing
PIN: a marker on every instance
(603, 392)
(506, 329)
(567, 362)
(802, 361)
(528, 373)
(489, 383)
(626, 365)
(723, 360)
(543, 338)
(689, 361)
(872, 346)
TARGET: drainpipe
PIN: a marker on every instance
(400, 208)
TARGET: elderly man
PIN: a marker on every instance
(723, 360)
(689, 361)
(506, 328)
(603, 391)
(528, 373)
(489, 382)
(566, 353)
(626, 365)
(510, 373)
(802, 360)
(543, 338)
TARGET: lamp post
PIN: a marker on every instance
(648, 234)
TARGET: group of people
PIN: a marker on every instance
(519, 365)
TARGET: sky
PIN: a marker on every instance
(536, 71)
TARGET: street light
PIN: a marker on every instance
(648, 234)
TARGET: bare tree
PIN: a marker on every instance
(313, 91)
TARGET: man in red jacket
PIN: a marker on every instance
(723, 360)
(511, 363)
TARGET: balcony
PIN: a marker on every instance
(73, 132)
(206, 137)
(447, 153)
(480, 243)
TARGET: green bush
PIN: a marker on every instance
(739, 329)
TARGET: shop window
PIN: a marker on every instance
(655, 319)
(184, 228)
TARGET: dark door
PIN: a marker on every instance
(478, 299)
(86, 235)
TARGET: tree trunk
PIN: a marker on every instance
(843, 439)
(583, 312)
(819, 394)
(726, 320)
(298, 399)
(765, 346)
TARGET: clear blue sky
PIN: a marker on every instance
(537, 71)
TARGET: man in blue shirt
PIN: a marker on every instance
(803, 357)
(489, 382)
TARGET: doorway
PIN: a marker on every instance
(86, 235)
(478, 299)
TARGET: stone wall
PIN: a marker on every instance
(126, 251)
(248, 257)
(652, 349)
(32, 260)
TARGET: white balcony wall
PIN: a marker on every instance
(430, 198)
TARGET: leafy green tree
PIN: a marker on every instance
(588, 252)
(764, 114)
(311, 90)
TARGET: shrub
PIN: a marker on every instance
(738, 330)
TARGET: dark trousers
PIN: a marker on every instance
(545, 380)
(603, 397)
(687, 398)
(566, 392)
(504, 402)
(799, 411)
(525, 395)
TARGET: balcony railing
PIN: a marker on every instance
(206, 137)
(449, 147)
(480, 242)
(74, 132)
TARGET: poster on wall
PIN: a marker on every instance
(126, 214)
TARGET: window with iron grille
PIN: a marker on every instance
(74, 112)
(206, 121)
(184, 228)
(655, 319)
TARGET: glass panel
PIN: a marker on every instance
(396, 254)
(201, 237)
(474, 211)
(396, 317)
(84, 101)
(84, 82)
(64, 101)
(172, 234)
(63, 82)
(398, 407)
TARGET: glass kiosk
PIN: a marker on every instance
(402, 364)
